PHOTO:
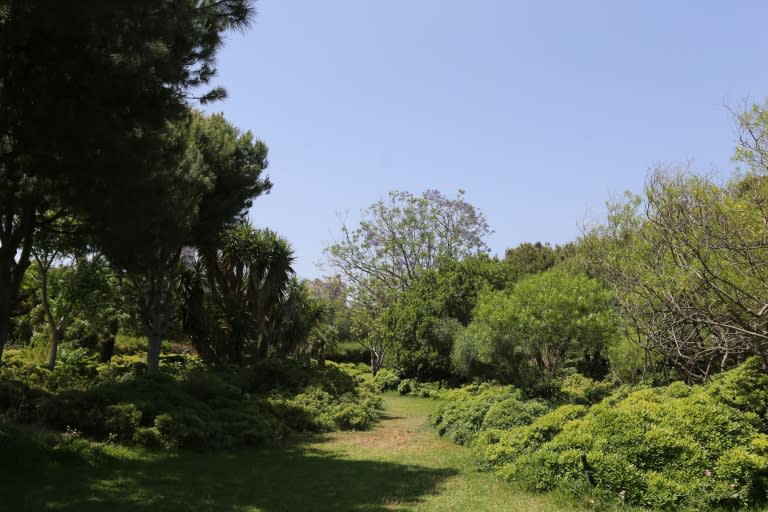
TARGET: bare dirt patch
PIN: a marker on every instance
(385, 436)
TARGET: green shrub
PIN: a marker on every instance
(512, 412)
(407, 386)
(149, 437)
(183, 429)
(18, 401)
(461, 415)
(185, 406)
(660, 451)
(745, 388)
(413, 387)
(384, 380)
(576, 388)
(122, 419)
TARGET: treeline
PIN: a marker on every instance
(669, 287)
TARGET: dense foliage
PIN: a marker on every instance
(673, 448)
(87, 92)
(529, 334)
(185, 405)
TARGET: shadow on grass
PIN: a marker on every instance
(34, 476)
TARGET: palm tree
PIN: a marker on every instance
(244, 302)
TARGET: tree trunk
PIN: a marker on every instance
(5, 328)
(55, 340)
(107, 348)
(56, 330)
(153, 351)
(377, 361)
(321, 355)
(157, 322)
(15, 249)
(157, 316)
(5, 304)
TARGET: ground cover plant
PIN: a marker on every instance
(675, 447)
(185, 405)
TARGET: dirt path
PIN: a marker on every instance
(404, 438)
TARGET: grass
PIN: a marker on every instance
(401, 465)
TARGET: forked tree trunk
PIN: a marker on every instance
(377, 360)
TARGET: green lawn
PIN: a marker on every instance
(399, 466)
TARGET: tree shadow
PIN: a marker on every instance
(270, 480)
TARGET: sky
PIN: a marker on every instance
(540, 110)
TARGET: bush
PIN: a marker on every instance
(122, 419)
(461, 416)
(385, 379)
(185, 406)
(513, 412)
(677, 447)
(745, 388)
(421, 389)
(660, 451)
(576, 388)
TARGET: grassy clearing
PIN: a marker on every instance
(403, 439)
(399, 466)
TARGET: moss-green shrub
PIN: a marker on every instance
(658, 450)
(745, 388)
(186, 406)
(578, 389)
(122, 419)
(677, 447)
(385, 379)
(407, 386)
(512, 412)
(461, 415)
(413, 387)
(503, 447)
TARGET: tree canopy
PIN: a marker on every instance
(86, 92)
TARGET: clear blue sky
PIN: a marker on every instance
(540, 110)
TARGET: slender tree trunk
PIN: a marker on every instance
(44, 266)
(55, 340)
(5, 327)
(377, 360)
(153, 351)
(5, 302)
(321, 355)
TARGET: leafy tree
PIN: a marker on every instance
(397, 240)
(400, 237)
(688, 264)
(86, 90)
(422, 323)
(52, 245)
(544, 323)
(528, 258)
(688, 260)
(205, 176)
